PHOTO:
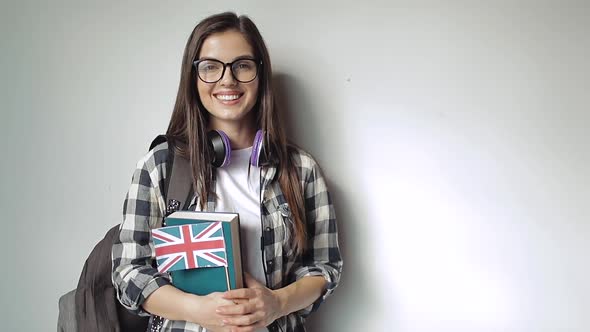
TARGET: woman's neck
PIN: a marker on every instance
(241, 134)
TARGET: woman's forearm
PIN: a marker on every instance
(169, 302)
(174, 304)
(300, 294)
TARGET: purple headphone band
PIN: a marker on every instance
(257, 148)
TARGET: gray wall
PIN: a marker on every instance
(454, 137)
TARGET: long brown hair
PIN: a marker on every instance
(188, 124)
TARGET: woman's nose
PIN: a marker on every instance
(228, 77)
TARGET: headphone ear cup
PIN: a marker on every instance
(257, 147)
(219, 144)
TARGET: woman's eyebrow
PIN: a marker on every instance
(241, 57)
(249, 57)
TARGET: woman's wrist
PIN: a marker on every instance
(189, 305)
(282, 295)
(184, 302)
(299, 294)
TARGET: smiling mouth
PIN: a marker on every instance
(224, 97)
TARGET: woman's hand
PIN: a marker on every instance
(253, 307)
(202, 310)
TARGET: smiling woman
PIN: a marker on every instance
(287, 224)
(228, 95)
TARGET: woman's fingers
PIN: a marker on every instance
(253, 306)
(236, 309)
(242, 320)
(242, 293)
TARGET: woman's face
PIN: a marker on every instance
(227, 100)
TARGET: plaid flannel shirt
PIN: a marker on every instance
(135, 278)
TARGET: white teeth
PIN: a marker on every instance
(227, 97)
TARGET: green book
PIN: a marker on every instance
(205, 280)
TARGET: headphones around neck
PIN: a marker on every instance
(219, 144)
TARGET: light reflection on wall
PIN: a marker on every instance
(432, 252)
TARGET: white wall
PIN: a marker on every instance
(454, 136)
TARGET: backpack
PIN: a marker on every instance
(95, 300)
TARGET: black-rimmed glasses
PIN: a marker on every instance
(211, 70)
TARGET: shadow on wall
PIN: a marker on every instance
(354, 302)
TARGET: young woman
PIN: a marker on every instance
(282, 199)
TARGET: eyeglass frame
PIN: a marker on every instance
(225, 64)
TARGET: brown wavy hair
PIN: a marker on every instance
(187, 130)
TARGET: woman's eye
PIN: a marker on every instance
(244, 66)
(210, 68)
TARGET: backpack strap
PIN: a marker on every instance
(157, 141)
(178, 189)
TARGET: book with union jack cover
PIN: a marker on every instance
(201, 251)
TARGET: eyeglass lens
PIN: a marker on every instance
(211, 71)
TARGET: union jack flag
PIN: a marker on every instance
(191, 246)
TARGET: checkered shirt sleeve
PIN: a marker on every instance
(322, 255)
(133, 252)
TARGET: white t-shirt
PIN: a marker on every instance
(238, 192)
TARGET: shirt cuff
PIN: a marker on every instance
(150, 287)
(311, 271)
